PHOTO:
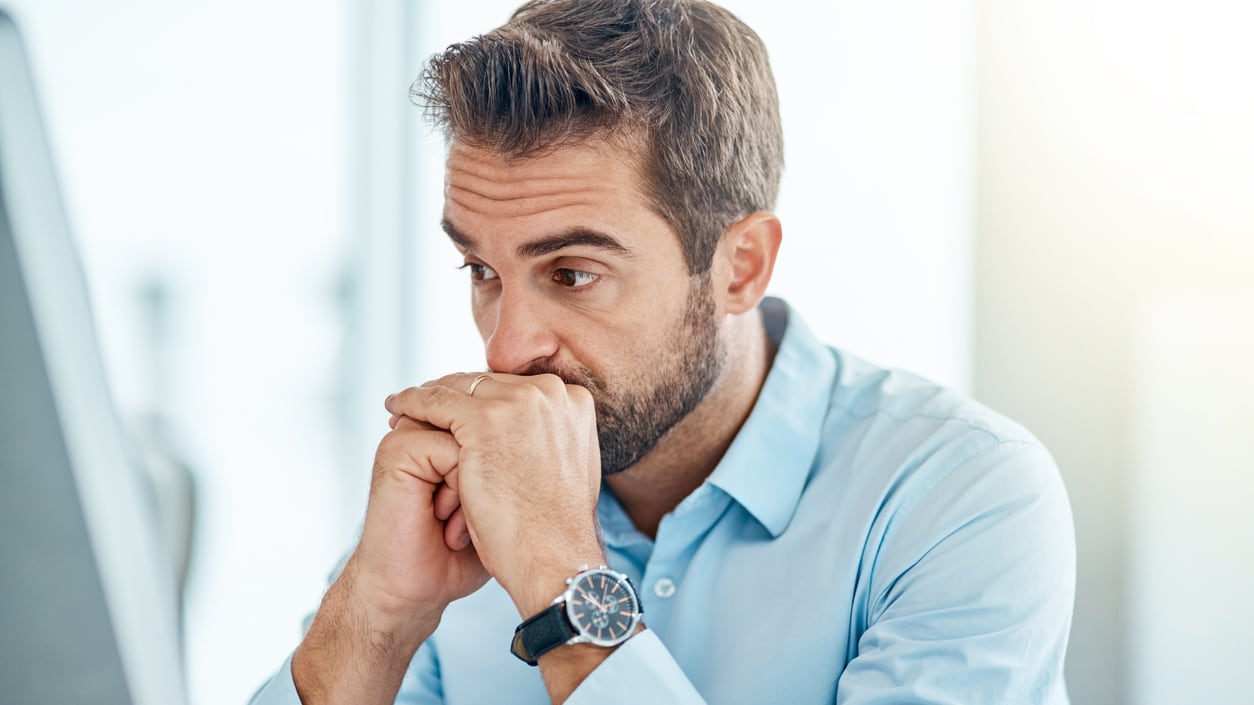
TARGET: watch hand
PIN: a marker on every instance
(588, 597)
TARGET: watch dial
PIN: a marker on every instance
(603, 607)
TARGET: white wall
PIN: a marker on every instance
(201, 147)
(1191, 554)
(1115, 162)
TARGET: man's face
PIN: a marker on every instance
(573, 274)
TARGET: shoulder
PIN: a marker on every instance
(875, 442)
(917, 464)
(863, 391)
(895, 423)
(964, 532)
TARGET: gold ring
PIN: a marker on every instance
(474, 383)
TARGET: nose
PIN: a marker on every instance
(516, 332)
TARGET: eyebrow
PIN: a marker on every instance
(574, 237)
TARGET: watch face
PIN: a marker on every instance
(603, 607)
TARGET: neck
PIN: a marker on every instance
(689, 452)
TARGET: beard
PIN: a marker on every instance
(634, 414)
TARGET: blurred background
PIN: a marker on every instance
(1048, 204)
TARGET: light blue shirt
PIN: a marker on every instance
(869, 537)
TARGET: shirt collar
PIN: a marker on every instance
(767, 465)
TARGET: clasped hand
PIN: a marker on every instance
(503, 483)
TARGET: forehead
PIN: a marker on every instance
(591, 184)
(594, 161)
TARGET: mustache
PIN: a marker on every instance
(578, 375)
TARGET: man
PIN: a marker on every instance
(803, 527)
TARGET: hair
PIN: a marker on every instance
(684, 79)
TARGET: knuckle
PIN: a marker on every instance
(495, 413)
(404, 398)
(437, 394)
(581, 399)
(386, 444)
(579, 394)
(532, 393)
(395, 444)
(549, 382)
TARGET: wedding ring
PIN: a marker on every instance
(475, 383)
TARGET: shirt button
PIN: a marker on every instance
(664, 588)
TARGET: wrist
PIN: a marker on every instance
(379, 618)
(599, 609)
(352, 653)
(545, 579)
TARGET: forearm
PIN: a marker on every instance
(355, 653)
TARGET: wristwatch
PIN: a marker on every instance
(600, 607)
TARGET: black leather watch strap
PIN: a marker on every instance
(541, 634)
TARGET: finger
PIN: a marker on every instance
(470, 384)
(446, 502)
(425, 454)
(456, 531)
(394, 418)
(399, 420)
(579, 394)
(436, 405)
(505, 387)
(482, 386)
(460, 381)
(445, 403)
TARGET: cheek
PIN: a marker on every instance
(483, 313)
(622, 352)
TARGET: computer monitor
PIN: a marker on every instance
(87, 607)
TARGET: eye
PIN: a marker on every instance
(479, 272)
(574, 278)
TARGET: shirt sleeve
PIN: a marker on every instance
(279, 690)
(641, 670)
(421, 685)
(971, 592)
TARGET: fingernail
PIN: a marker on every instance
(463, 540)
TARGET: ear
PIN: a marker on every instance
(745, 259)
